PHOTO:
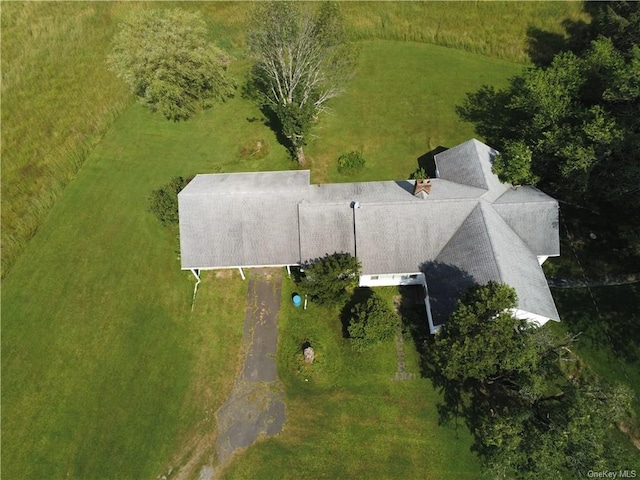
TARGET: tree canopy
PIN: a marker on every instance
(573, 126)
(165, 59)
(330, 280)
(303, 61)
(505, 376)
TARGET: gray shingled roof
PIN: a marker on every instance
(325, 228)
(470, 164)
(408, 233)
(241, 219)
(469, 229)
(484, 248)
(533, 215)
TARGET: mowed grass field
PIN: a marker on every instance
(399, 106)
(58, 100)
(106, 372)
(346, 417)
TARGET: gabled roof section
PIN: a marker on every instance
(241, 219)
(238, 230)
(485, 248)
(518, 266)
(470, 164)
(533, 215)
(399, 237)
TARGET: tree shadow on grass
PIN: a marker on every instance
(251, 91)
(446, 284)
(542, 46)
(616, 323)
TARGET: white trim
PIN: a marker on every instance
(391, 279)
(196, 273)
(242, 266)
(539, 320)
(289, 270)
(241, 273)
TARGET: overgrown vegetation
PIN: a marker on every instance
(372, 321)
(350, 163)
(163, 203)
(47, 47)
(57, 103)
(529, 414)
(419, 174)
(165, 59)
(68, 372)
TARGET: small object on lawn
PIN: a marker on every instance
(593, 236)
(309, 354)
(297, 300)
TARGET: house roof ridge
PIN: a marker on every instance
(484, 206)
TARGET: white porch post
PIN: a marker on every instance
(196, 273)
(241, 273)
(289, 271)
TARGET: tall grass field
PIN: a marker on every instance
(107, 370)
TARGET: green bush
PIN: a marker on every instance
(330, 280)
(349, 163)
(419, 174)
(372, 321)
(163, 203)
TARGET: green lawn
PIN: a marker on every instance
(106, 373)
(346, 418)
(399, 106)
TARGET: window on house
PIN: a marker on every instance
(413, 276)
(374, 277)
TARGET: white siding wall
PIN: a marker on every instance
(531, 317)
(392, 279)
(542, 259)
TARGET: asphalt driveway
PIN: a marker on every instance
(255, 407)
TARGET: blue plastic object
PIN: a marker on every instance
(297, 301)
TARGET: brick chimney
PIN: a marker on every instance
(422, 188)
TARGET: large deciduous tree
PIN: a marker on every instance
(577, 119)
(164, 57)
(303, 61)
(529, 418)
